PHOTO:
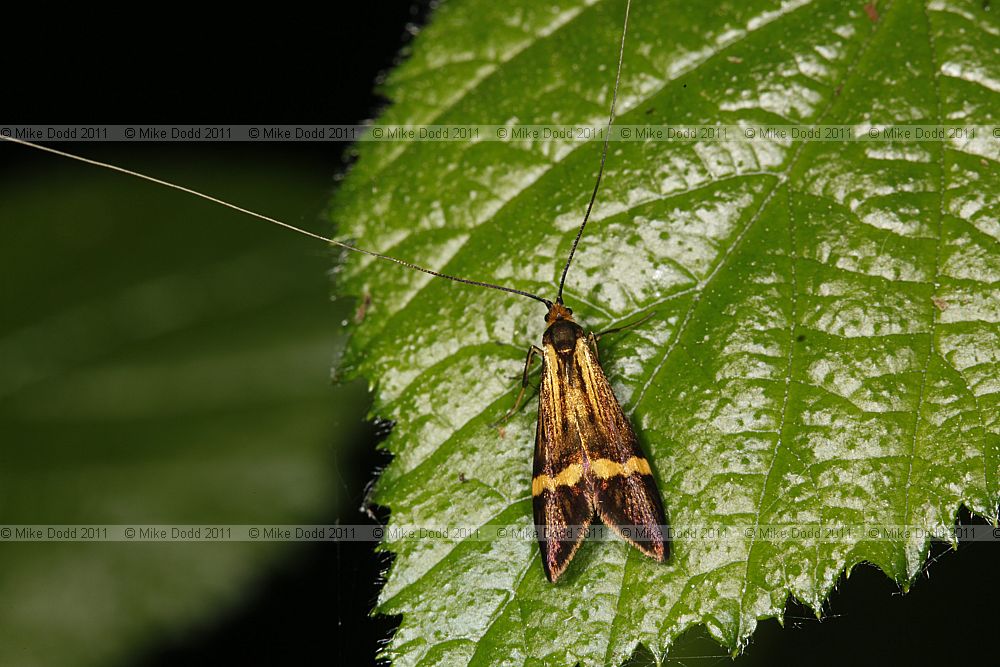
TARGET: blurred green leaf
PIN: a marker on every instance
(164, 362)
(826, 344)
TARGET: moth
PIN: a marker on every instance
(587, 460)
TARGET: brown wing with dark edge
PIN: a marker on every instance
(562, 500)
(624, 491)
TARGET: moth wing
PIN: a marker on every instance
(563, 505)
(625, 494)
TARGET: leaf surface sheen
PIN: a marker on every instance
(826, 342)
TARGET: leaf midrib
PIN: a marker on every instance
(796, 156)
(931, 348)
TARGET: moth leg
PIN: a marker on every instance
(623, 327)
(532, 351)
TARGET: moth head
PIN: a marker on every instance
(557, 312)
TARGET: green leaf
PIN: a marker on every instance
(163, 363)
(826, 344)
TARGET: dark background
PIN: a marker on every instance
(314, 67)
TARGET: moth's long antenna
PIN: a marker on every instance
(604, 156)
(220, 202)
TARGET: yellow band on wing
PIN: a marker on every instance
(601, 468)
(606, 468)
(568, 476)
